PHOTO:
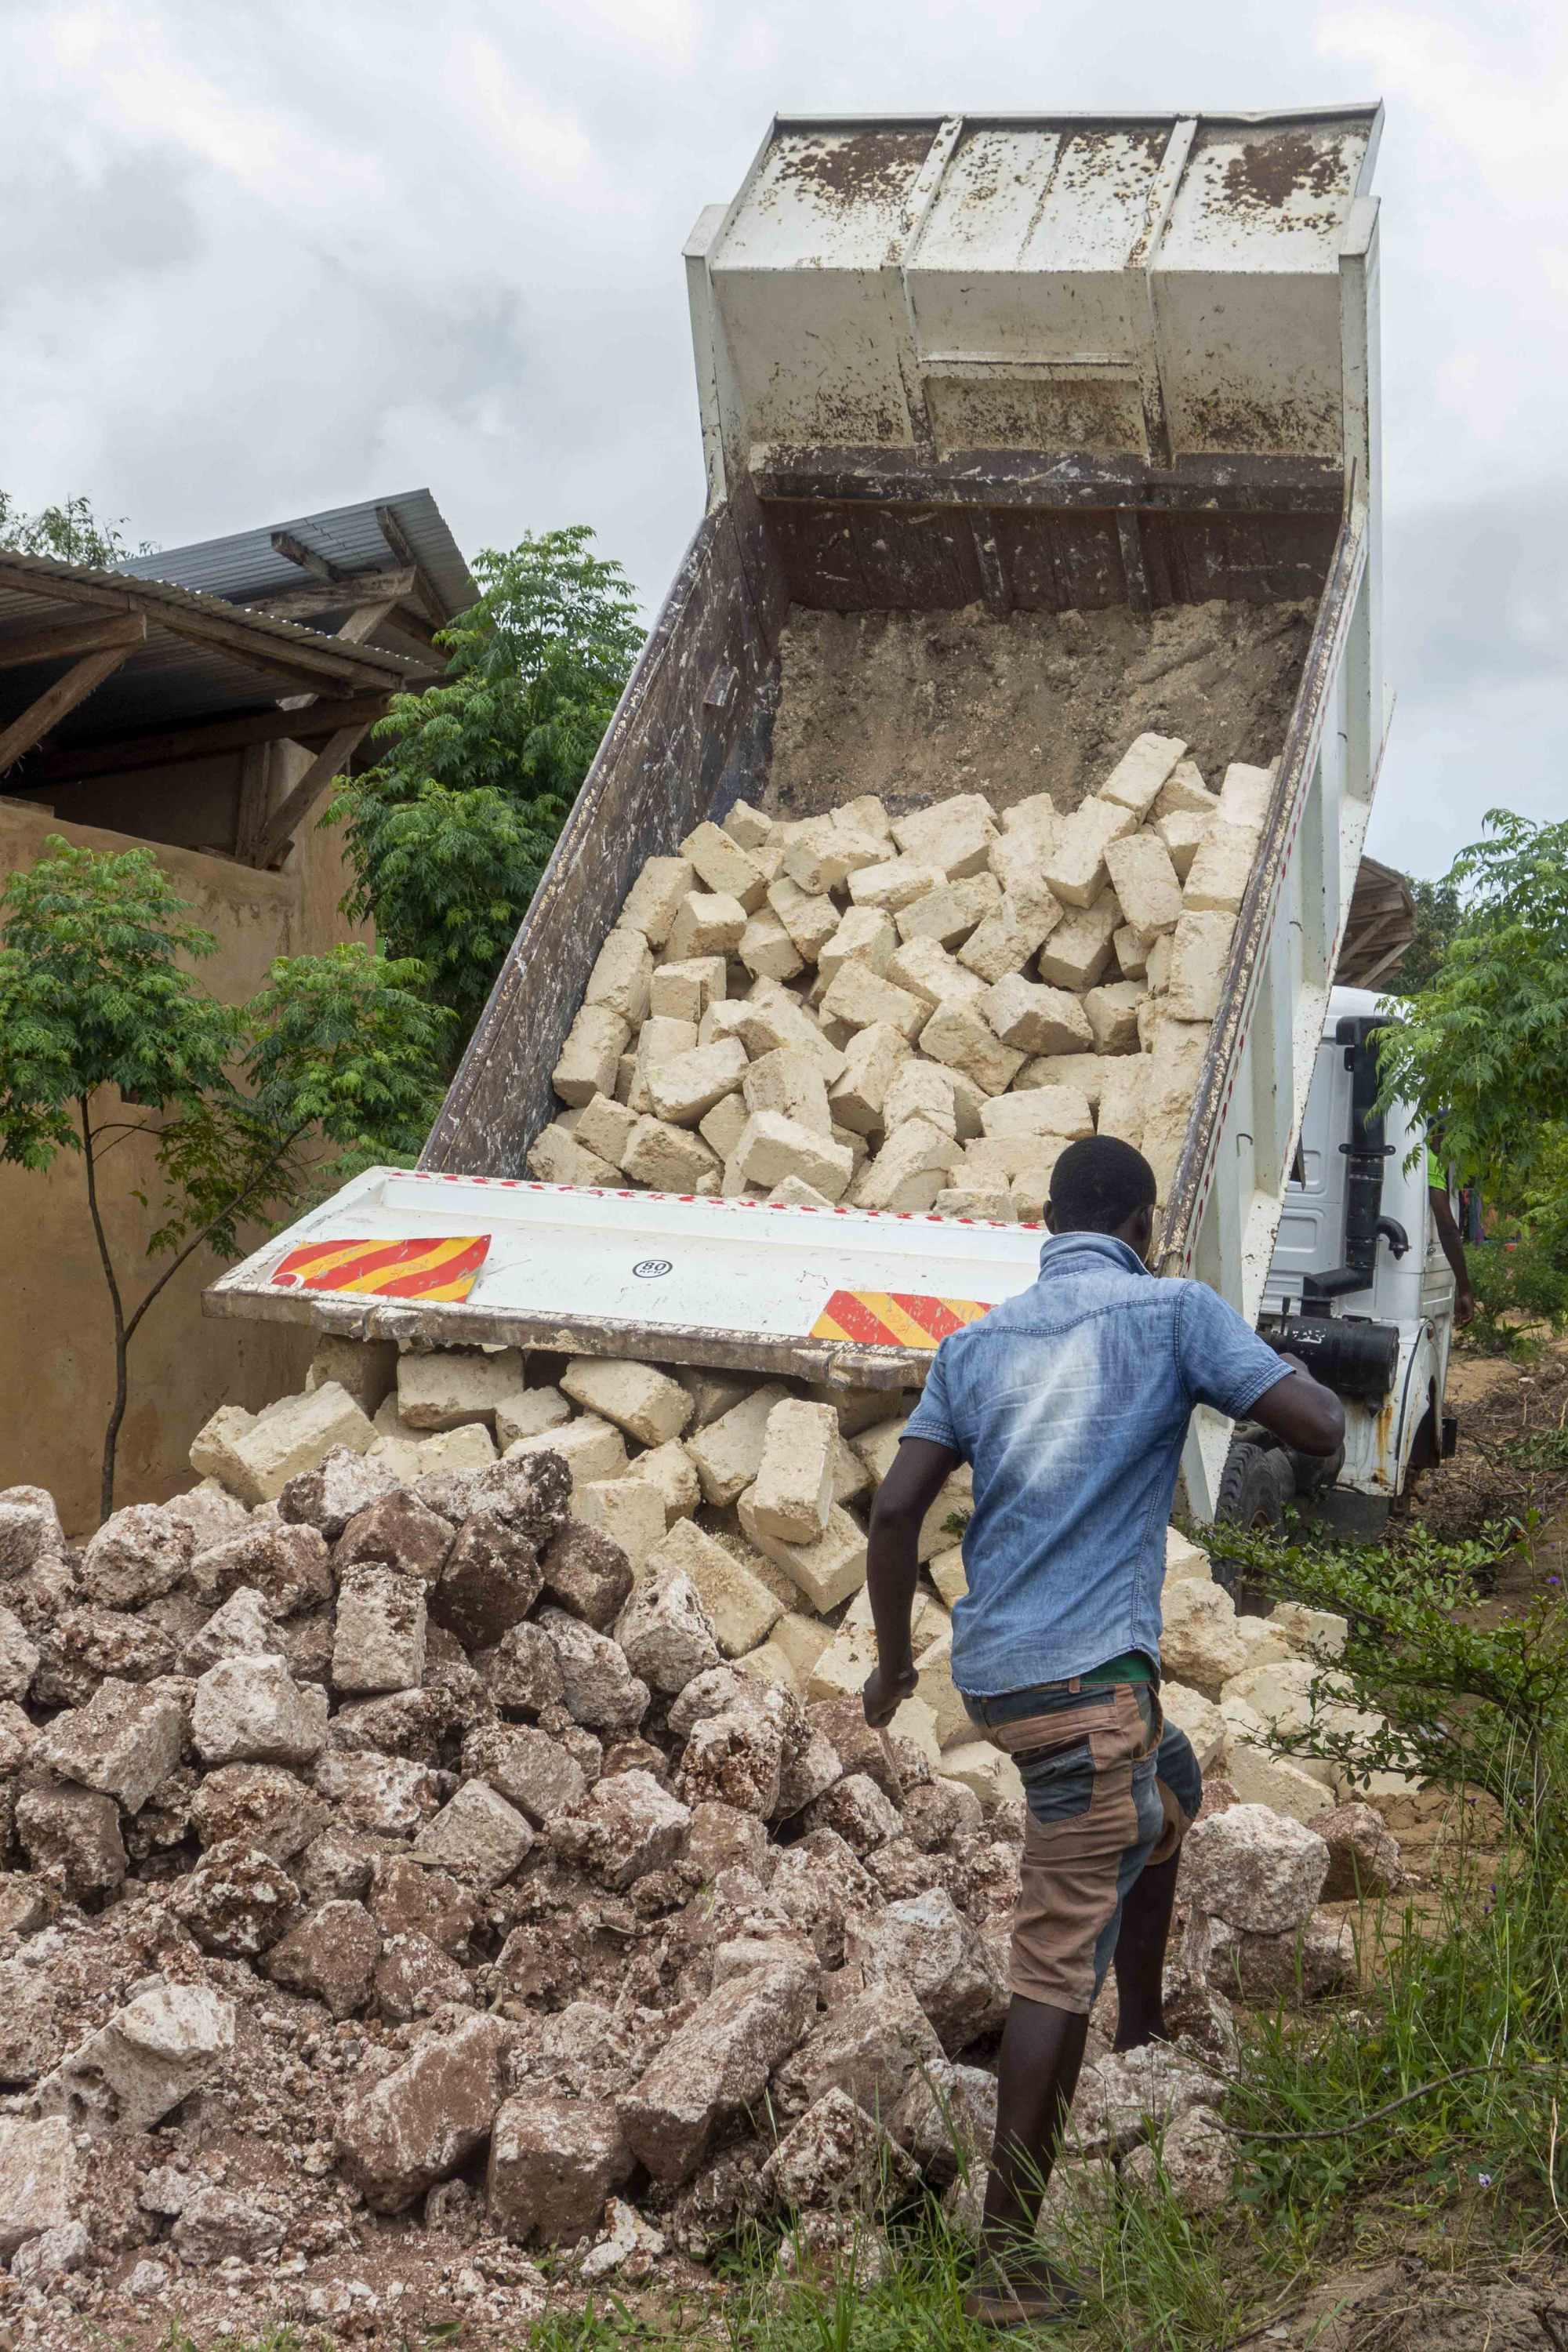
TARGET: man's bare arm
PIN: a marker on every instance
(1300, 1412)
(903, 1498)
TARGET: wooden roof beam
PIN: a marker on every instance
(291, 813)
(22, 648)
(52, 706)
(169, 745)
(425, 587)
(303, 664)
(332, 595)
(320, 567)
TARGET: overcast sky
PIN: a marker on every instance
(277, 256)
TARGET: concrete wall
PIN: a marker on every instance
(55, 1354)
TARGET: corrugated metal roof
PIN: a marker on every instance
(245, 568)
(175, 677)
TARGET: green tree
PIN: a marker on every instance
(1484, 1046)
(449, 833)
(70, 530)
(105, 1035)
(1438, 917)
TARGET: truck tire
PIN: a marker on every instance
(1254, 1488)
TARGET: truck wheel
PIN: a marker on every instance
(1254, 1488)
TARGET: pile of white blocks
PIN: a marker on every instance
(759, 1493)
(914, 1012)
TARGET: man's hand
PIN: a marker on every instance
(1464, 1306)
(892, 1567)
(884, 1694)
(1299, 1411)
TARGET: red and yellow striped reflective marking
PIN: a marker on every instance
(895, 1318)
(445, 1268)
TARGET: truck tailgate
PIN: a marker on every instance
(821, 1294)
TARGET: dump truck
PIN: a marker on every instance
(1023, 434)
(1358, 1288)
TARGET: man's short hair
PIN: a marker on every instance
(1098, 1184)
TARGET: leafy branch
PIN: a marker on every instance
(334, 1064)
(450, 833)
(1462, 1702)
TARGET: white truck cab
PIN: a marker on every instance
(1358, 1287)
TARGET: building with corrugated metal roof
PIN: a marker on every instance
(201, 699)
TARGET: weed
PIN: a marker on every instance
(1460, 1702)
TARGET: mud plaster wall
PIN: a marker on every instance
(914, 706)
(55, 1360)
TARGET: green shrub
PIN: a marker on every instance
(1521, 1296)
(1464, 1704)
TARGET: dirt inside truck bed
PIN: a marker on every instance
(915, 706)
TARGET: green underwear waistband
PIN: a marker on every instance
(1132, 1667)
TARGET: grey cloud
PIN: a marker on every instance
(336, 248)
(139, 210)
(1476, 592)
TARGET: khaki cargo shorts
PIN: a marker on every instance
(1111, 1787)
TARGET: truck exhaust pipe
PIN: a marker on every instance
(1366, 1152)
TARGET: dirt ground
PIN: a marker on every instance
(915, 705)
(1492, 1476)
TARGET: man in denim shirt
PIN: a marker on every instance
(1071, 1403)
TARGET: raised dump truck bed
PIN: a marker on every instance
(1023, 435)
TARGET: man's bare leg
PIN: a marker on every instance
(1042, 2050)
(1138, 1958)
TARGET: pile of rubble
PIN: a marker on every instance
(409, 1864)
(840, 1008)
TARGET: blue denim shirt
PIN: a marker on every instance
(1070, 1402)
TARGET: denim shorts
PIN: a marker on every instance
(1110, 1787)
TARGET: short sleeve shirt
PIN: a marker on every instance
(1070, 1403)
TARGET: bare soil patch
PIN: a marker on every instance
(914, 706)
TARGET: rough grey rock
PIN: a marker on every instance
(136, 1554)
(488, 1583)
(287, 1564)
(870, 2047)
(552, 2163)
(836, 2155)
(150, 2056)
(252, 1711)
(1197, 2158)
(479, 1837)
(946, 2118)
(733, 1758)
(926, 1945)
(1258, 1869)
(1301, 1964)
(123, 1742)
(667, 1636)
(236, 1901)
(856, 1810)
(329, 1956)
(71, 1838)
(40, 2178)
(340, 1486)
(18, 1657)
(243, 1626)
(378, 1644)
(400, 1531)
(714, 2069)
(598, 1687)
(586, 1573)
(419, 2123)
(30, 1529)
(533, 1772)
(625, 1827)
(1364, 1854)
